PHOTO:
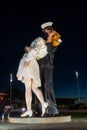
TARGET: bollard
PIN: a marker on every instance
(3, 117)
(8, 116)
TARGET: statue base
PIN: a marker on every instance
(40, 120)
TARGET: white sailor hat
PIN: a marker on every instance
(47, 24)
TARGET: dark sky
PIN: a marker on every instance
(19, 26)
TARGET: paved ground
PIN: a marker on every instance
(75, 124)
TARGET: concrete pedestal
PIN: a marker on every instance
(40, 120)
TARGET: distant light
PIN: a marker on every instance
(11, 77)
(23, 109)
(76, 73)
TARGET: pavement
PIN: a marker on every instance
(75, 124)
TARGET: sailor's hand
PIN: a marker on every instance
(27, 49)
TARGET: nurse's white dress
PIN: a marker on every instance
(38, 51)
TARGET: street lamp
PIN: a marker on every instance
(11, 80)
(77, 77)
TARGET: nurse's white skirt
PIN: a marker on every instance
(31, 71)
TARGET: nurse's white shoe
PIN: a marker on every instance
(44, 106)
(27, 113)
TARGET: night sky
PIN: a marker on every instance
(19, 26)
